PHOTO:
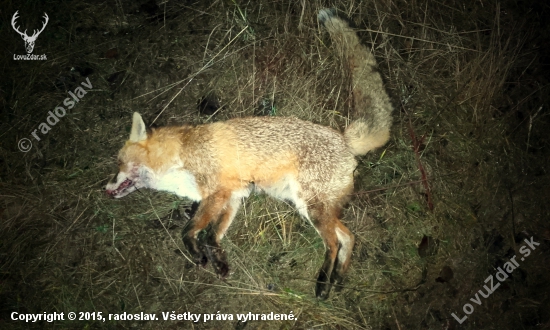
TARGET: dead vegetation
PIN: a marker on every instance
(452, 197)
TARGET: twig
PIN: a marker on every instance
(207, 65)
(531, 118)
(395, 317)
(416, 147)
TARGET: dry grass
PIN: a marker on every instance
(469, 82)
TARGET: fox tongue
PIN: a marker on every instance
(125, 184)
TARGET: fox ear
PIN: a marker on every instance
(138, 132)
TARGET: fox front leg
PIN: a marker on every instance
(209, 210)
(192, 245)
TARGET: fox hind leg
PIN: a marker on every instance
(346, 241)
(338, 242)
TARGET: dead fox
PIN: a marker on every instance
(309, 165)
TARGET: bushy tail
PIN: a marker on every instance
(372, 104)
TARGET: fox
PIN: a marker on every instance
(219, 164)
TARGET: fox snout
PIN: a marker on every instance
(119, 186)
(110, 192)
(111, 187)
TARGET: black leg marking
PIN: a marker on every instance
(336, 278)
(193, 210)
(193, 247)
(324, 283)
(216, 254)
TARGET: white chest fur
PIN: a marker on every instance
(179, 182)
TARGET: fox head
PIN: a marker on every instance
(154, 160)
(133, 161)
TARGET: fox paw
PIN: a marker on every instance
(324, 284)
(201, 260)
(219, 261)
(322, 290)
(221, 268)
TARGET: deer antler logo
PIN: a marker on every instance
(29, 41)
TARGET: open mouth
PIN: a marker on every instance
(121, 188)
